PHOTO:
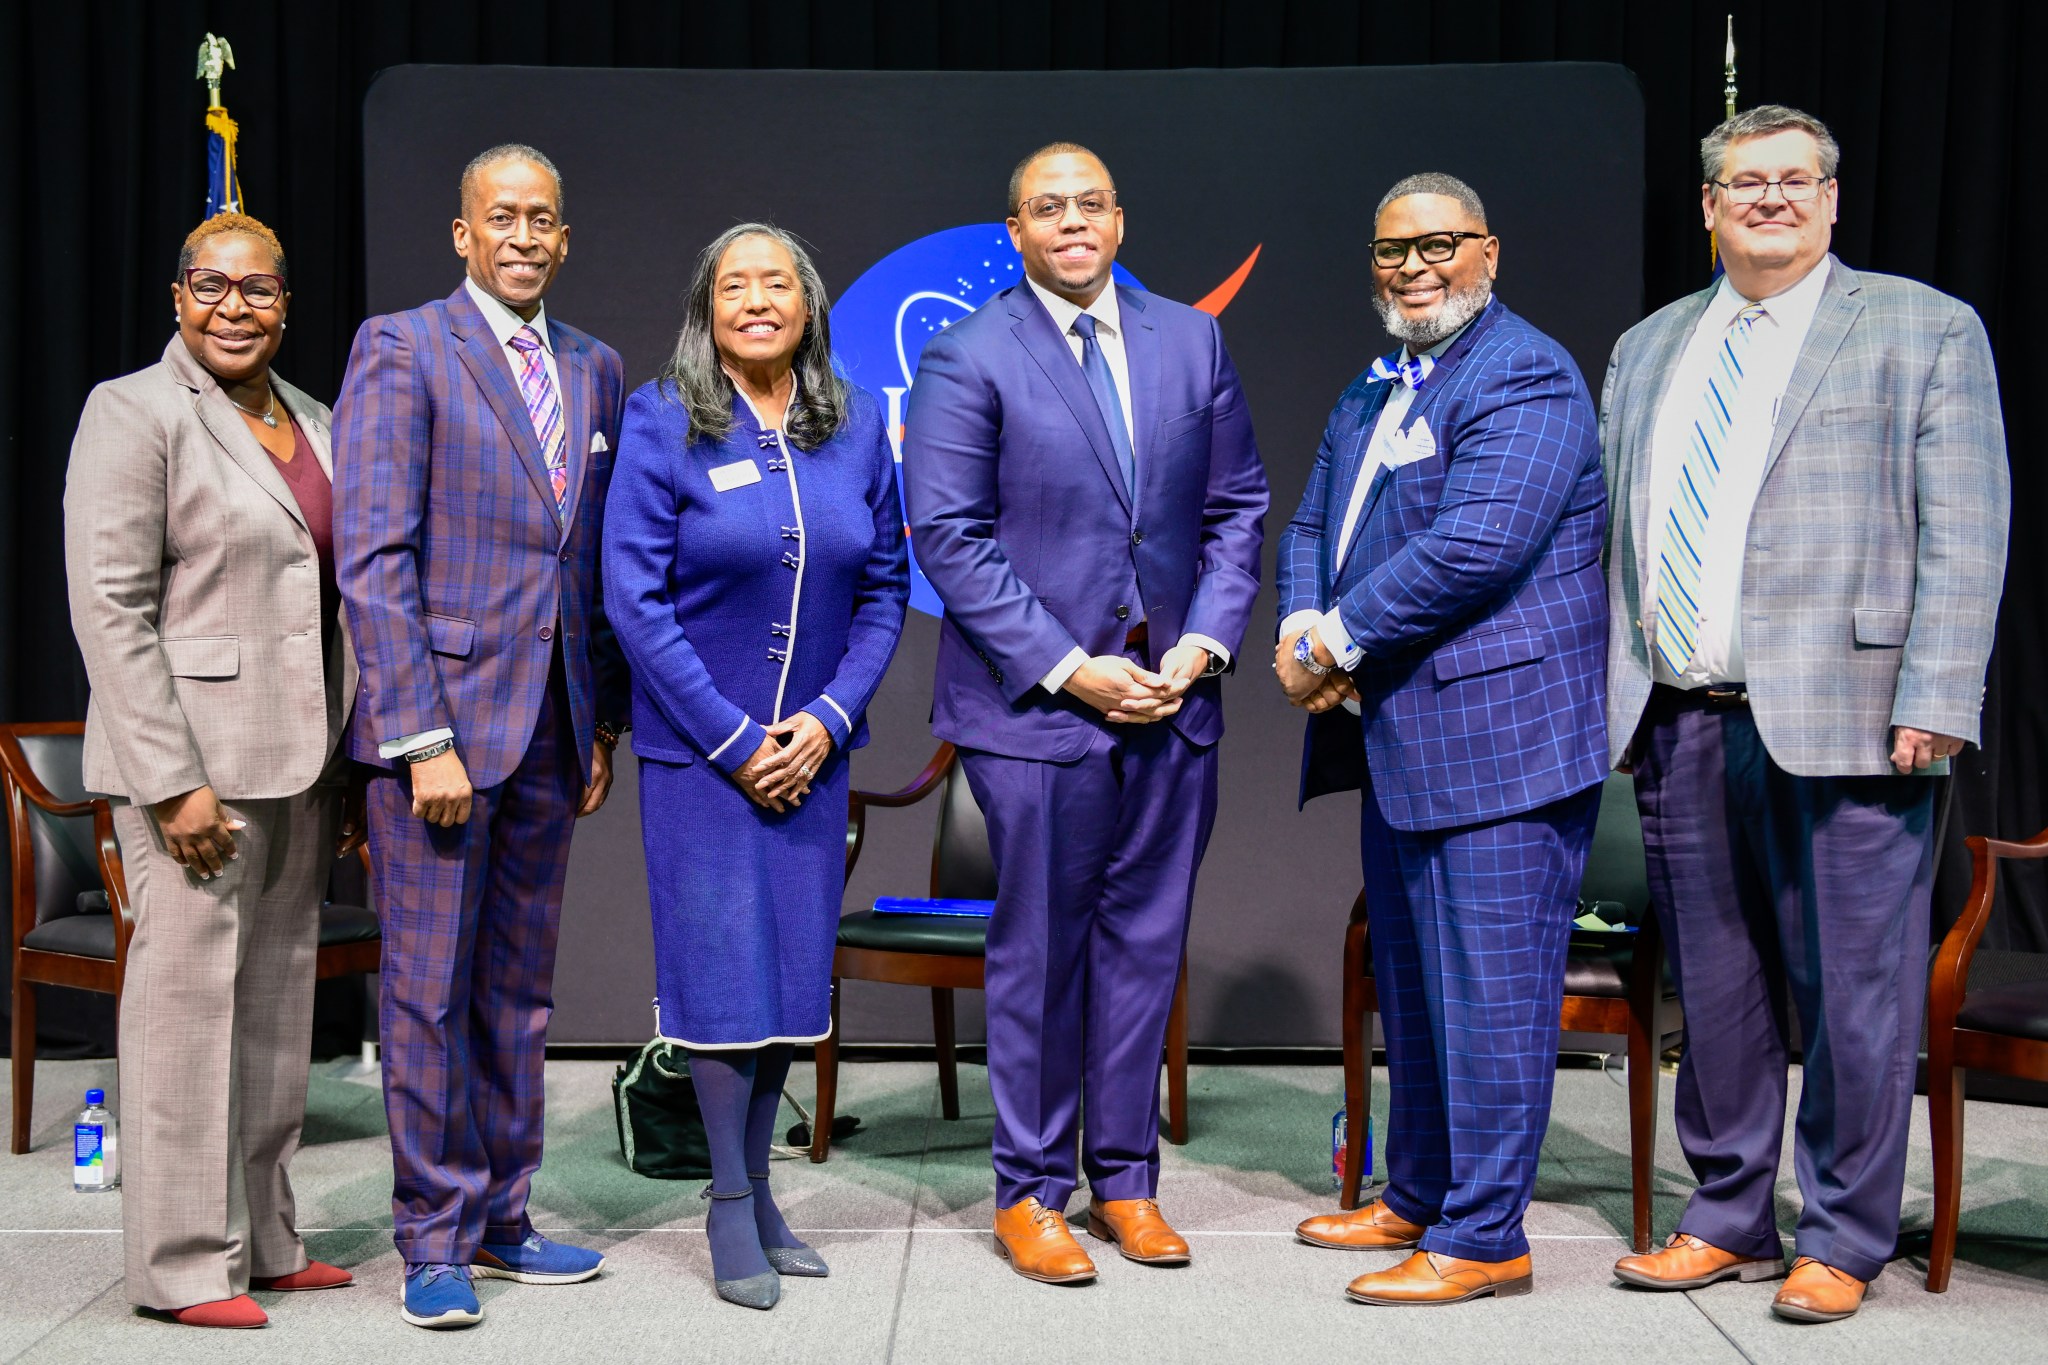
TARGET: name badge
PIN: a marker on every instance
(738, 474)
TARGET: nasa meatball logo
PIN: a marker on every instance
(882, 321)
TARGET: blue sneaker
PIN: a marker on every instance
(535, 1261)
(438, 1295)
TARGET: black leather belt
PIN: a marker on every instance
(1714, 697)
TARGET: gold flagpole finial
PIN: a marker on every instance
(1725, 70)
(215, 56)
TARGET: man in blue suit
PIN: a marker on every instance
(1086, 497)
(1442, 581)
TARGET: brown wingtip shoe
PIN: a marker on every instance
(1429, 1279)
(1685, 1262)
(1138, 1230)
(1037, 1243)
(1372, 1228)
(1814, 1292)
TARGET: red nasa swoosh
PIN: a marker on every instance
(1216, 300)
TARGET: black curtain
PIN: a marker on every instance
(100, 120)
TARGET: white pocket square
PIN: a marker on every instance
(598, 444)
(1418, 443)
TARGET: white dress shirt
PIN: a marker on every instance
(1774, 346)
(1380, 450)
(1109, 335)
(504, 323)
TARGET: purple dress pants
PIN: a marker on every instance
(1095, 870)
(1767, 882)
(470, 915)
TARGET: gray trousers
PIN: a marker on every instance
(216, 1029)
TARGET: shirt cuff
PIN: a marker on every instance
(395, 748)
(1219, 657)
(1330, 630)
(1297, 622)
(1063, 670)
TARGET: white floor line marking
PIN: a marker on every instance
(699, 1232)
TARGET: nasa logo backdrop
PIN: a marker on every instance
(1248, 192)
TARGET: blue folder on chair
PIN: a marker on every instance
(917, 905)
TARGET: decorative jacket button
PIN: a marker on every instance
(547, 632)
(1123, 613)
(1137, 537)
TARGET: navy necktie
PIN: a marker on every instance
(1103, 384)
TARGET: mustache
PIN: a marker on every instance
(1459, 307)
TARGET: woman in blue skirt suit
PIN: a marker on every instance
(755, 571)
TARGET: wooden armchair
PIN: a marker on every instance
(2002, 1028)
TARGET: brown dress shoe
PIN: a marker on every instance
(1372, 1228)
(1685, 1262)
(1427, 1278)
(1138, 1231)
(1036, 1242)
(1818, 1293)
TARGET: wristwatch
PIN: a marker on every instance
(434, 750)
(1305, 655)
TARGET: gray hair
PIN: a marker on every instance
(1762, 121)
(492, 156)
(695, 374)
(1049, 149)
(1434, 182)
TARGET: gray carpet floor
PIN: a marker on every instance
(902, 1212)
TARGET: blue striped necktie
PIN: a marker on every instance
(1102, 383)
(1679, 568)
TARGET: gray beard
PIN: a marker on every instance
(1458, 309)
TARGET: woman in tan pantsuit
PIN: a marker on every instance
(196, 536)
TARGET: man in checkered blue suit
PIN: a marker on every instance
(1444, 622)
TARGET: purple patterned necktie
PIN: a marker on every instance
(544, 406)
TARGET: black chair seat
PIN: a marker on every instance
(2019, 1009)
(93, 935)
(78, 935)
(945, 935)
(346, 924)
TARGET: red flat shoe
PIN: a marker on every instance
(316, 1275)
(240, 1311)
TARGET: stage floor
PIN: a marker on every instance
(902, 1212)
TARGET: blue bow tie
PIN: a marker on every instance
(1409, 372)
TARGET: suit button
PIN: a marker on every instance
(547, 632)
(1137, 537)
(565, 556)
(1123, 613)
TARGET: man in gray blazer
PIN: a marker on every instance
(1807, 469)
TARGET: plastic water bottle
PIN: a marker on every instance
(1340, 1134)
(95, 1147)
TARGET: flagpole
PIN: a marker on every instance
(1728, 103)
(223, 177)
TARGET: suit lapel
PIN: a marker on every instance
(220, 418)
(1141, 358)
(1034, 330)
(1837, 313)
(485, 360)
(310, 422)
(571, 365)
(1350, 461)
(1640, 417)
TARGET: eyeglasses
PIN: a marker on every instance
(1391, 253)
(211, 287)
(1050, 208)
(1794, 189)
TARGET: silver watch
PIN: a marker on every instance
(1305, 655)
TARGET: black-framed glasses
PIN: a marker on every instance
(1391, 253)
(212, 286)
(1794, 189)
(1050, 208)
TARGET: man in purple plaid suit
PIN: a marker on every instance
(473, 445)
(1444, 621)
